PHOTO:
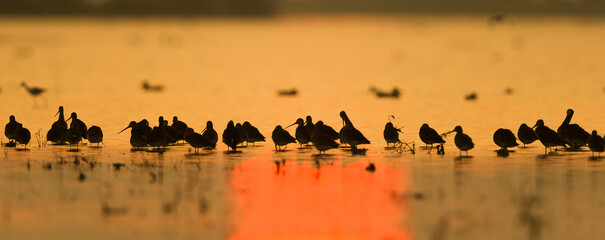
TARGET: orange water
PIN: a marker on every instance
(220, 69)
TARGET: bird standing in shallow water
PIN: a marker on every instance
(34, 91)
(9, 129)
(252, 134)
(309, 124)
(231, 136)
(22, 135)
(58, 130)
(210, 134)
(462, 141)
(74, 135)
(596, 143)
(350, 134)
(391, 134)
(321, 140)
(158, 137)
(138, 137)
(241, 137)
(196, 140)
(574, 135)
(281, 137)
(94, 135)
(180, 127)
(526, 134)
(548, 137)
(303, 136)
(78, 123)
(505, 139)
(429, 136)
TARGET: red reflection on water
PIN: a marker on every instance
(303, 202)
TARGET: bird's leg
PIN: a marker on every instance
(286, 147)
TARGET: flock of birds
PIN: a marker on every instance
(307, 133)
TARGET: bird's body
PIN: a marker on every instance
(75, 121)
(429, 136)
(462, 141)
(390, 133)
(526, 134)
(505, 138)
(309, 124)
(548, 137)
(252, 134)
(74, 134)
(22, 135)
(231, 136)
(58, 131)
(138, 136)
(34, 92)
(9, 129)
(180, 127)
(574, 135)
(158, 137)
(197, 140)
(302, 134)
(321, 140)
(94, 135)
(281, 137)
(350, 134)
(596, 143)
(210, 134)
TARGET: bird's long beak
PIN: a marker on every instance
(534, 126)
(68, 119)
(290, 125)
(204, 130)
(57, 113)
(124, 129)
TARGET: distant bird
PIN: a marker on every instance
(197, 140)
(210, 134)
(231, 136)
(9, 129)
(241, 137)
(152, 88)
(429, 136)
(309, 123)
(252, 134)
(303, 136)
(548, 137)
(505, 138)
(281, 137)
(79, 124)
(573, 134)
(138, 137)
(94, 135)
(596, 143)
(321, 141)
(526, 134)
(22, 135)
(391, 134)
(180, 127)
(471, 96)
(158, 137)
(395, 93)
(350, 134)
(462, 141)
(58, 131)
(34, 91)
(287, 92)
(74, 133)
(498, 19)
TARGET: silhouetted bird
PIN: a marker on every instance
(241, 137)
(498, 19)
(74, 134)
(309, 123)
(34, 91)
(321, 141)
(385, 94)
(252, 133)
(429, 136)
(22, 135)
(505, 138)
(573, 134)
(210, 134)
(303, 136)
(158, 137)
(287, 92)
(548, 137)
(196, 140)
(78, 123)
(462, 141)
(596, 143)
(471, 97)
(138, 137)
(172, 134)
(231, 136)
(152, 88)
(143, 125)
(526, 134)
(9, 129)
(390, 133)
(58, 131)
(350, 134)
(94, 135)
(281, 137)
(180, 127)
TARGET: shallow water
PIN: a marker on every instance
(231, 69)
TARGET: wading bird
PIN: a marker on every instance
(548, 137)
(231, 136)
(281, 137)
(94, 135)
(9, 129)
(22, 135)
(58, 131)
(78, 123)
(462, 141)
(210, 134)
(350, 134)
(252, 133)
(391, 134)
(138, 136)
(302, 134)
(197, 140)
(158, 137)
(596, 143)
(321, 141)
(573, 134)
(429, 136)
(505, 139)
(526, 134)
(34, 91)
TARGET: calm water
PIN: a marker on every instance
(231, 69)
